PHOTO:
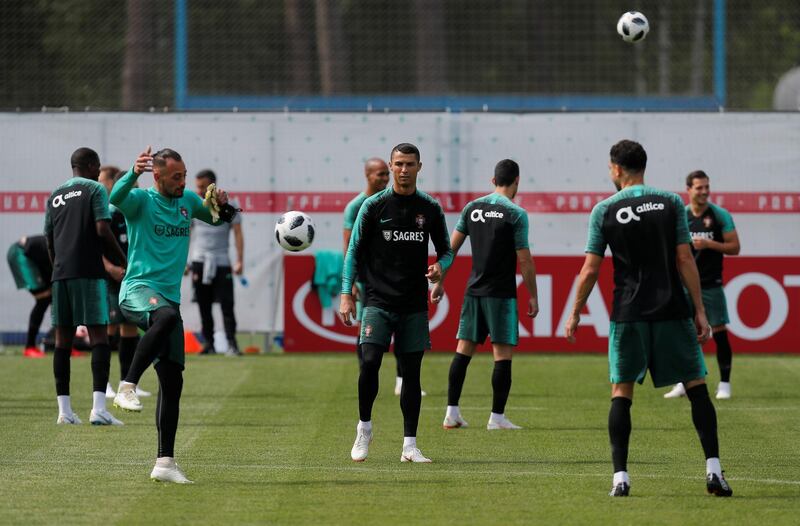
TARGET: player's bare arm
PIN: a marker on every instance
(115, 271)
(691, 280)
(238, 239)
(111, 248)
(586, 281)
(729, 245)
(528, 270)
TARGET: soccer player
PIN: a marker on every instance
(78, 235)
(31, 267)
(389, 246)
(212, 272)
(499, 237)
(376, 171)
(125, 334)
(158, 232)
(651, 324)
(713, 235)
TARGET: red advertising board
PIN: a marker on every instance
(763, 303)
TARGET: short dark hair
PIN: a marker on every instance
(506, 172)
(405, 147)
(114, 170)
(697, 174)
(207, 174)
(83, 157)
(161, 156)
(630, 155)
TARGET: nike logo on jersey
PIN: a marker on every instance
(386, 220)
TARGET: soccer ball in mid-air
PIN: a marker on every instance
(294, 231)
(633, 26)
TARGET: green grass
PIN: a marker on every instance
(267, 440)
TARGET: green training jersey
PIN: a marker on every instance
(351, 210)
(711, 224)
(642, 226)
(158, 236)
(497, 229)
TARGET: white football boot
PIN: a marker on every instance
(724, 391)
(68, 419)
(103, 418)
(502, 423)
(413, 454)
(361, 445)
(126, 399)
(678, 391)
(168, 471)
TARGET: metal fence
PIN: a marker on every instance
(413, 54)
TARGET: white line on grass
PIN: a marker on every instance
(360, 469)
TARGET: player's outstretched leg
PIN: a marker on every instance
(410, 403)
(619, 432)
(162, 322)
(704, 417)
(170, 386)
(455, 384)
(501, 386)
(368, 383)
(725, 362)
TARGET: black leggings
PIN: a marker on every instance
(154, 342)
(170, 386)
(35, 320)
(368, 383)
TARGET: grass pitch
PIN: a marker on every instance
(267, 440)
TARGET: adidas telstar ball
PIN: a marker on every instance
(633, 26)
(294, 231)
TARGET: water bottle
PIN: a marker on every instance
(243, 281)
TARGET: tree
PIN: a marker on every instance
(137, 69)
(334, 59)
(299, 43)
(431, 59)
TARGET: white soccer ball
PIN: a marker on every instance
(633, 26)
(294, 231)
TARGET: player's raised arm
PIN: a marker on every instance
(121, 196)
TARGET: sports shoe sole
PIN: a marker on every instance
(126, 409)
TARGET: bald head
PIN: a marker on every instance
(377, 173)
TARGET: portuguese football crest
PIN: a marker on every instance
(708, 221)
(184, 212)
(387, 235)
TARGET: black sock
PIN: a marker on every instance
(101, 365)
(619, 431)
(61, 370)
(154, 341)
(411, 394)
(35, 320)
(455, 380)
(127, 347)
(501, 385)
(170, 385)
(705, 419)
(371, 358)
(398, 366)
(113, 341)
(724, 355)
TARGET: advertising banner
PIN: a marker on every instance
(763, 295)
